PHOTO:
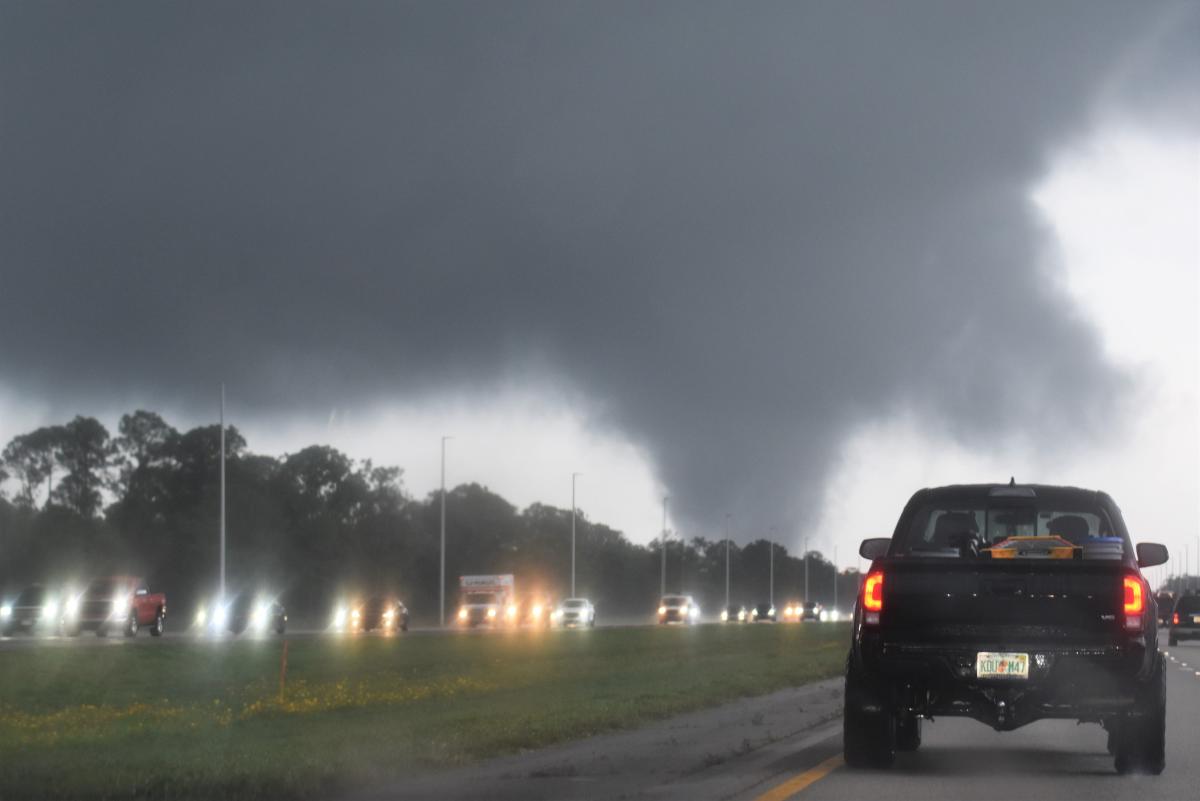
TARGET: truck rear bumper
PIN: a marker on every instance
(1064, 682)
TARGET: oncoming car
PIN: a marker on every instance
(575, 612)
(35, 610)
(733, 614)
(380, 612)
(678, 609)
(811, 610)
(116, 603)
(245, 611)
(764, 613)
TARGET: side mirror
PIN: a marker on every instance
(140, 591)
(1151, 554)
(874, 548)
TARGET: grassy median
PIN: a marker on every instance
(190, 719)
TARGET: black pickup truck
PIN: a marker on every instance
(1006, 604)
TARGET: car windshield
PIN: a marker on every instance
(481, 598)
(101, 588)
(999, 528)
(31, 596)
(674, 600)
(574, 604)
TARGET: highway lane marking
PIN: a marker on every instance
(797, 784)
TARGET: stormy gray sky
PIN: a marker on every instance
(725, 237)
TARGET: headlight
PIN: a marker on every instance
(694, 611)
(50, 610)
(741, 615)
(771, 611)
(339, 618)
(201, 616)
(491, 611)
(537, 610)
(72, 605)
(220, 615)
(5, 611)
(119, 607)
(662, 610)
(389, 614)
(511, 611)
(258, 619)
(556, 614)
(462, 613)
(724, 616)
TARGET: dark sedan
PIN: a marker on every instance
(733, 614)
(1185, 620)
(764, 612)
(34, 609)
(247, 612)
(380, 612)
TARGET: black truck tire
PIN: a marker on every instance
(1141, 739)
(156, 629)
(868, 726)
(908, 733)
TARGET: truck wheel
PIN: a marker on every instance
(156, 629)
(908, 733)
(1141, 738)
(131, 627)
(868, 726)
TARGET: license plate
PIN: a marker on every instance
(991, 665)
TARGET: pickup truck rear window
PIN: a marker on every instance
(969, 532)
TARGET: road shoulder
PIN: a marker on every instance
(725, 750)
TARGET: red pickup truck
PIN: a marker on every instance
(117, 603)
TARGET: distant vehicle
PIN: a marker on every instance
(1006, 604)
(764, 613)
(791, 611)
(535, 610)
(811, 610)
(34, 610)
(487, 600)
(1165, 601)
(380, 612)
(256, 614)
(575, 612)
(117, 603)
(678, 609)
(1185, 620)
(733, 614)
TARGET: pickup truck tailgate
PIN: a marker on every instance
(948, 601)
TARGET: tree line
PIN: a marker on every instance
(316, 526)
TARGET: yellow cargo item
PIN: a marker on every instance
(1033, 548)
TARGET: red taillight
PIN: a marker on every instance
(1135, 599)
(1175, 619)
(873, 592)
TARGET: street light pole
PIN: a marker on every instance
(442, 571)
(663, 587)
(835, 578)
(771, 585)
(727, 560)
(222, 593)
(806, 598)
(573, 477)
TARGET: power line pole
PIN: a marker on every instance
(771, 551)
(573, 477)
(727, 560)
(222, 595)
(665, 534)
(442, 572)
(835, 578)
(806, 598)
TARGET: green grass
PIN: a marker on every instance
(186, 719)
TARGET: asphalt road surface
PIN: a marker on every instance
(788, 745)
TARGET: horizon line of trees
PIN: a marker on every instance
(316, 525)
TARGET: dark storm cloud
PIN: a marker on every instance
(737, 228)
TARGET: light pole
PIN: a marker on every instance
(727, 560)
(771, 580)
(573, 477)
(222, 593)
(442, 572)
(806, 599)
(663, 587)
(835, 578)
